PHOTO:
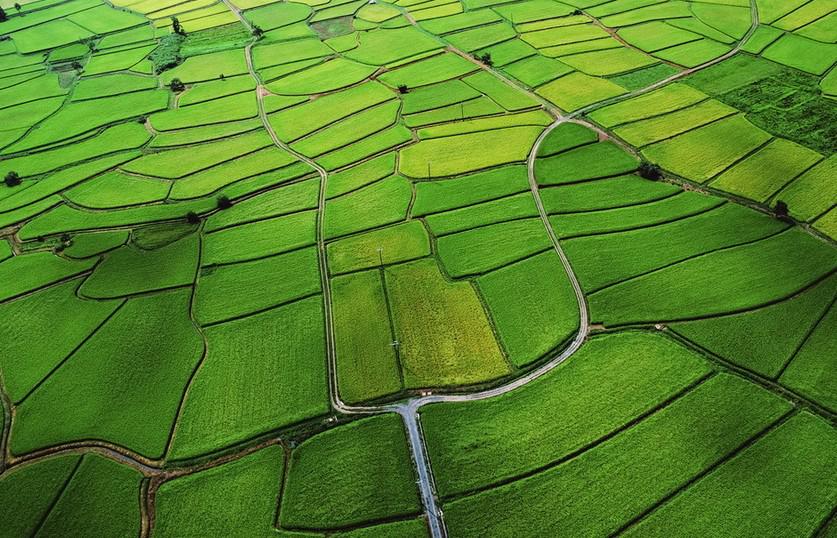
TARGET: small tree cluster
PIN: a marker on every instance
(650, 171)
(176, 27)
(177, 85)
(485, 58)
(402, 89)
(12, 179)
(3, 15)
(192, 218)
(257, 31)
(780, 209)
(224, 202)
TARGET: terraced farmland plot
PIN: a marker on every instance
(420, 268)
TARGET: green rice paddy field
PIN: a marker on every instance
(418, 268)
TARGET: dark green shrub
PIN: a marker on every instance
(176, 27)
(12, 179)
(177, 85)
(650, 171)
(780, 209)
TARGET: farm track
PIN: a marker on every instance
(409, 409)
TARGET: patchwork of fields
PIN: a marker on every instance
(418, 268)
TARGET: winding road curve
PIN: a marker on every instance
(409, 409)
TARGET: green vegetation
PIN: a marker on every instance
(658, 128)
(101, 494)
(327, 76)
(380, 203)
(488, 247)
(367, 365)
(811, 372)
(743, 277)
(509, 208)
(294, 275)
(33, 271)
(766, 171)
(351, 474)
(589, 493)
(436, 196)
(782, 101)
(437, 68)
(40, 330)
(167, 54)
(28, 492)
(148, 345)
(258, 239)
(444, 334)
(402, 242)
(130, 270)
(802, 53)
(450, 155)
(233, 499)
(221, 221)
(702, 154)
(591, 161)
(766, 339)
(779, 485)
(283, 365)
(602, 194)
(672, 241)
(633, 216)
(611, 381)
(532, 305)
(578, 90)
(808, 196)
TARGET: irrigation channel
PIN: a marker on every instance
(409, 409)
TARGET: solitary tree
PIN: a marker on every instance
(192, 217)
(12, 179)
(176, 27)
(177, 85)
(402, 89)
(3, 15)
(224, 202)
(257, 31)
(650, 171)
(17, 6)
(780, 209)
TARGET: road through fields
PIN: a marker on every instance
(409, 409)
